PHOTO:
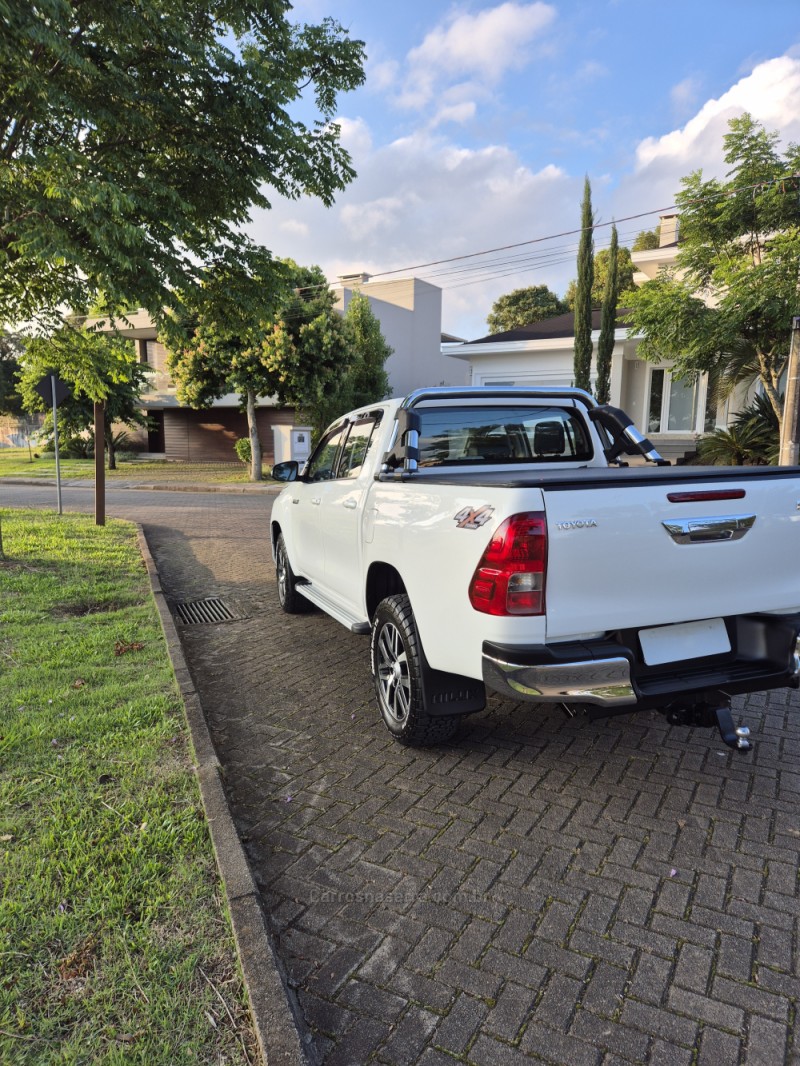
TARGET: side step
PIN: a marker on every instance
(333, 609)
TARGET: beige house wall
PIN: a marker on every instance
(410, 313)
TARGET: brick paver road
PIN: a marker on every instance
(538, 889)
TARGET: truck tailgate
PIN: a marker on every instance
(650, 552)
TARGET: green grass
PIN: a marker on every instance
(16, 462)
(115, 943)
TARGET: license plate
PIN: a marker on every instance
(688, 640)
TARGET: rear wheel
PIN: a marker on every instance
(290, 599)
(397, 670)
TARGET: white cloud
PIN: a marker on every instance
(423, 198)
(591, 71)
(356, 137)
(428, 197)
(459, 113)
(366, 220)
(771, 93)
(293, 228)
(684, 94)
(479, 47)
(383, 75)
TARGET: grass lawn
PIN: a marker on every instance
(115, 943)
(16, 462)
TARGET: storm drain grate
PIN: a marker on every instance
(197, 612)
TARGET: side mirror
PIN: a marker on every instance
(285, 471)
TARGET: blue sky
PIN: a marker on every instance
(478, 121)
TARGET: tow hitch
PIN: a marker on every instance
(735, 736)
(716, 714)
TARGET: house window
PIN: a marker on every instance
(672, 403)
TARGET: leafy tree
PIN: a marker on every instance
(602, 262)
(365, 379)
(728, 307)
(522, 307)
(114, 364)
(267, 329)
(583, 294)
(647, 239)
(608, 323)
(10, 351)
(135, 138)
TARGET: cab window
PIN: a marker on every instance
(322, 464)
(355, 449)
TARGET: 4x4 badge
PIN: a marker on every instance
(473, 518)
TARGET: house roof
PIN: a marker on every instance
(549, 328)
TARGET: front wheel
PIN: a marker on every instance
(290, 599)
(397, 670)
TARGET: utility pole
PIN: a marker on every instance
(790, 429)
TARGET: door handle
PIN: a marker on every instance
(317, 502)
(706, 530)
(351, 504)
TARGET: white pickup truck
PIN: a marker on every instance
(495, 538)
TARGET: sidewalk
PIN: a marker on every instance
(262, 487)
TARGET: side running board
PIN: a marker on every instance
(319, 599)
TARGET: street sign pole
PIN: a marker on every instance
(53, 390)
(55, 440)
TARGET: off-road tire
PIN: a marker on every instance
(397, 672)
(290, 599)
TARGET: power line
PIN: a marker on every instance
(508, 266)
(596, 226)
(519, 244)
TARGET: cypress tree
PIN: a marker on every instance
(608, 322)
(583, 293)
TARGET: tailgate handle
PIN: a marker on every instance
(707, 530)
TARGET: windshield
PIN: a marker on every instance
(481, 435)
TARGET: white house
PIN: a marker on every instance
(671, 412)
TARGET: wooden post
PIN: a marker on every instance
(99, 464)
(790, 429)
(55, 441)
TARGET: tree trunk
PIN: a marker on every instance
(771, 390)
(112, 454)
(255, 441)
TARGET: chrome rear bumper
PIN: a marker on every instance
(605, 682)
(610, 675)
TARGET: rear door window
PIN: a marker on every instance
(453, 436)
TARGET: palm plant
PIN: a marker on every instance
(753, 438)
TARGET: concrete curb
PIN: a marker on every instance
(276, 1030)
(80, 483)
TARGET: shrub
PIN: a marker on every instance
(243, 449)
(753, 438)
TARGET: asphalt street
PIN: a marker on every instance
(537, 889)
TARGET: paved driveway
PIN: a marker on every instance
(538, 889)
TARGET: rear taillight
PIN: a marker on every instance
(510, 577)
